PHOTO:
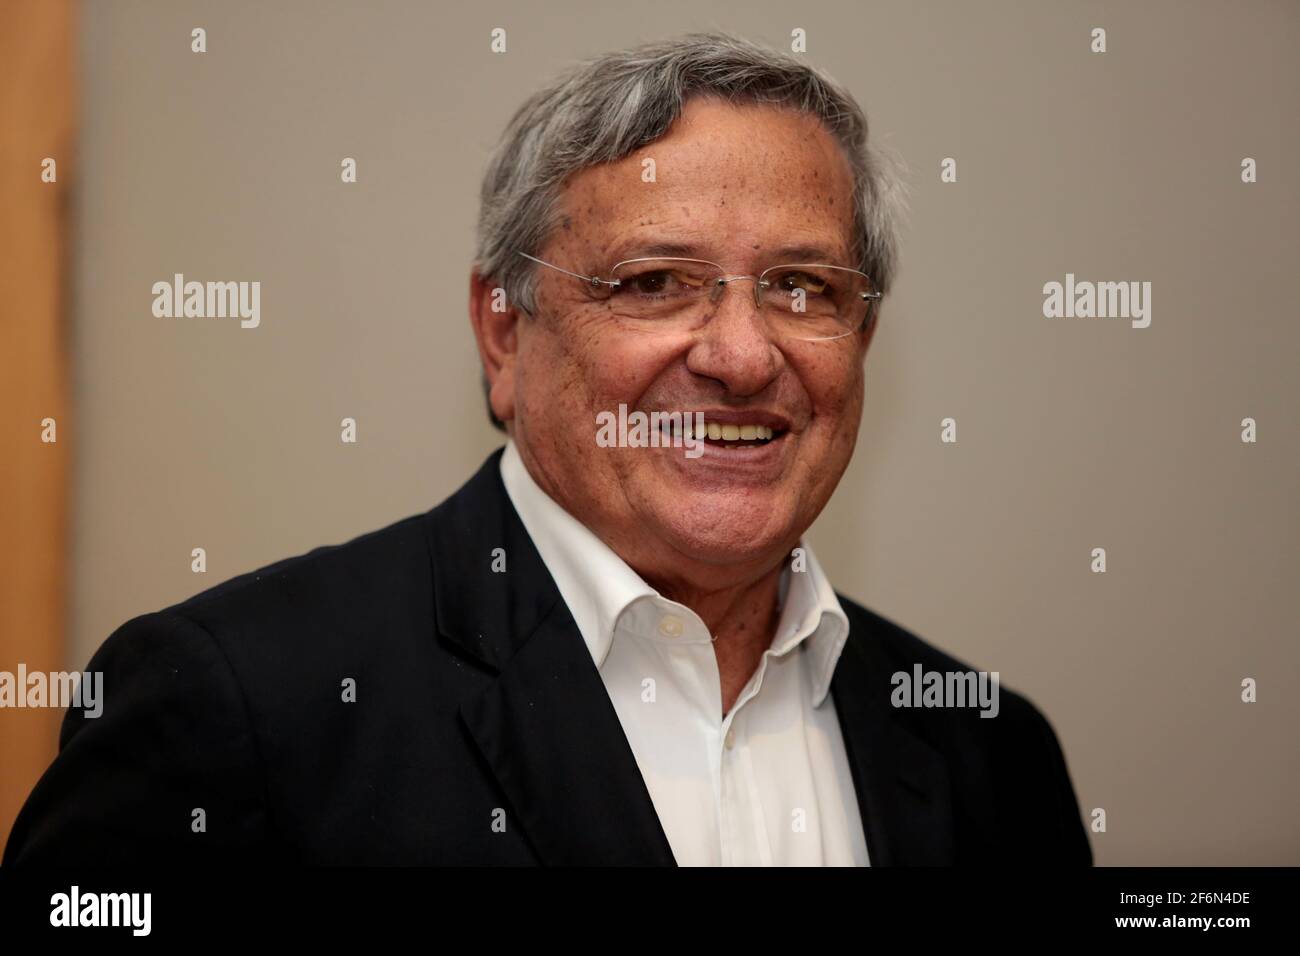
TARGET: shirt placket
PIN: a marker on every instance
(744, 830)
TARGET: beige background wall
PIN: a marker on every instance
(1073, 433)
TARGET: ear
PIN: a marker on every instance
(495, 324)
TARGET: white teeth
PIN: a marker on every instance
(739, 432)
(717, 432)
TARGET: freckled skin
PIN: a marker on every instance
(738, 181)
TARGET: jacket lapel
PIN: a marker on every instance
(544, 722)
(901, 781)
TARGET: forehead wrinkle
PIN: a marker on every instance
(665, 225)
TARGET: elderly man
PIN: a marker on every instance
(597, 652)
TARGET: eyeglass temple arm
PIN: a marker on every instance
(871, 298)
(592, 280)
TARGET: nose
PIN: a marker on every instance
(735, 346)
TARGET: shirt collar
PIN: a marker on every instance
(598, 585)
(811, 613)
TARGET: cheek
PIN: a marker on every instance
(629, 365)
(613, 365)
(569, 375)
(835, 384)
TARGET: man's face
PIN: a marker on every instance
(735, 185)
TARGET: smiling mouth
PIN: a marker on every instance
(729, 435)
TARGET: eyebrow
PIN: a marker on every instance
(638, 249)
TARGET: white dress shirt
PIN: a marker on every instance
(768, 784)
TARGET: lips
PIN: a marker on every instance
(737, 448)
(733, 429)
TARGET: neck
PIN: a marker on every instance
(742, 620)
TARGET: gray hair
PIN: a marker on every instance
(608, 107)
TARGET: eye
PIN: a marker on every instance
(660, 283)
(795, 280)
(651, 283)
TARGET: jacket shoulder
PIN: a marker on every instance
(364, 567)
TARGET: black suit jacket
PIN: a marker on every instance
(476, 702)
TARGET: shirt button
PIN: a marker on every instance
(670, 625)
(731, 738)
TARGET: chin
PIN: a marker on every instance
(727, 528)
